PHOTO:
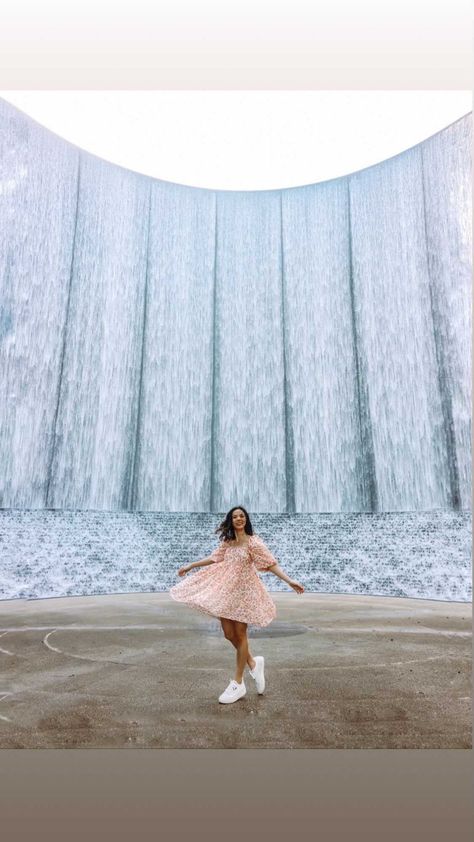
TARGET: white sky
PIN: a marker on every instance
(243, 140)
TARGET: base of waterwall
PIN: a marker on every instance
(54, 553)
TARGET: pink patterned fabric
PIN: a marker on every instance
(231, 586)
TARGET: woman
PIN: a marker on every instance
(231, 590)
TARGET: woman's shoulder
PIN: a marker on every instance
(257, 541)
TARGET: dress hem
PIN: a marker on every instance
(199, 607)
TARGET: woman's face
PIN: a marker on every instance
(238, 519)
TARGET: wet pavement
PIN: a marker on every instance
(142, 671)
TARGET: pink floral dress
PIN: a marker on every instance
(231, 586)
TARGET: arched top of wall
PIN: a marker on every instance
(467, 118)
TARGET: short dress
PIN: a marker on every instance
(231, 586)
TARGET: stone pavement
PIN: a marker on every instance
(142, 671)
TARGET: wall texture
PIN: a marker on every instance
(410, 554)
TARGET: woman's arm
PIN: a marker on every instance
(266, 562)
(276, 569)
(202, 563)
(187, 567)
(216, 556)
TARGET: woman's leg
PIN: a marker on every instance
(229, 628)
(243, 654)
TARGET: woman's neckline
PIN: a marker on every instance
(243, 544)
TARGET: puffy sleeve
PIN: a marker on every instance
(219, 552)
(261, 555)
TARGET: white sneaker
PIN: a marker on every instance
(258, 674)
(233, 692)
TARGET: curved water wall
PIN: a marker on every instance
(169, 348)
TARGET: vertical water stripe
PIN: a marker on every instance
(392, 304)
(102, 355)
(250, 431)
(38, 177)
(215, 377)
(289, 438)
(443, 376)
(131, 474)
(367, 472)
(176, 403)
(52, 448)
(320, 352)
(447, 178)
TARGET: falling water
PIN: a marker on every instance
(169, 348)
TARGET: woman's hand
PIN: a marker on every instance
(296, 586)
(183, 570)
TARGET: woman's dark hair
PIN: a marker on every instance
(226, 528)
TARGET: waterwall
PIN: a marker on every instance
(175, 349)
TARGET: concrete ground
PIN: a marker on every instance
(142, 671)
